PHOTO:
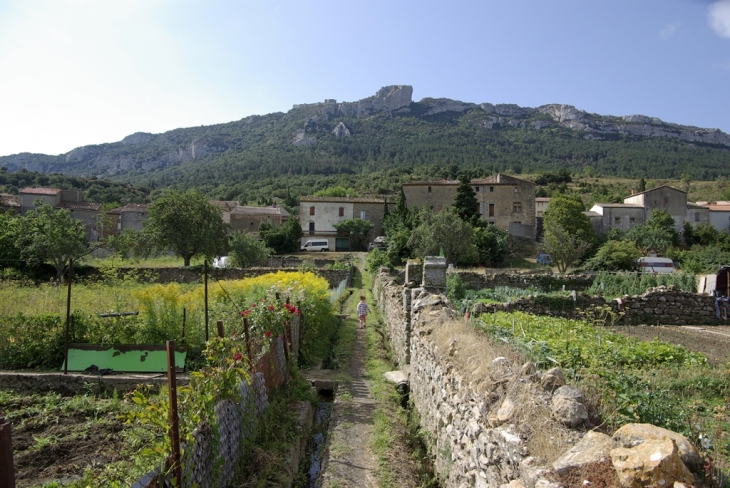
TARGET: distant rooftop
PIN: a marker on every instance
(80, 206)
(342, 199)
(40, 191)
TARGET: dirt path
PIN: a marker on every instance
(350, 460)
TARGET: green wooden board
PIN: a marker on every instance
(123, 358)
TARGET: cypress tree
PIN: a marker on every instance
(465, 203)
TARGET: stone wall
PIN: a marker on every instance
(658, 306)
(490, 421)
(544, 280)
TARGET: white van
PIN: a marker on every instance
(653, 264)
(320, 245)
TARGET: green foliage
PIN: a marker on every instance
(700, 259)
(337, 191)
(282, 239)
(186, 224)
(246, 250)
(492, 244)
(357, 230)
(613, 285)
(444, 230)
(585, 351)
(377, 258)
(50, 235)
(650, 240)
(703, 234)
(560, 176)
(615, 256)
(9, 251)
(455, 287)
(568, 234)
(126, 244)
(465, 202)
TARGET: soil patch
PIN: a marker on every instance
(712, 341)
(55, 441)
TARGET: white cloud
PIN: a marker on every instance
(669, 30)
(719, 17)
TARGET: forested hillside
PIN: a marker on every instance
(315, 146)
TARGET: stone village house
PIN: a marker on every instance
(505, 201)
(87, 212)
(638, 207)
(318, 215)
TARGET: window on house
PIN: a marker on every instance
(666, 201)
(311, 210)
(362, 215)
(311, 228)
(697, 216)
(517, 207)
(617, 220)
(342, 211)
(119, 226)
(632, 220)
(517, 222)
(491, 188)
(251, 223)
(429, 189)
(476, 189)
(491, 210)
(517, 189)
(432, 208)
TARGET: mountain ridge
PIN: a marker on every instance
(390, 130)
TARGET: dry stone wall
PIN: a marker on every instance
(483, 415)
(545, 280)
(661, 305)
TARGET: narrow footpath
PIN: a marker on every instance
(350, 460)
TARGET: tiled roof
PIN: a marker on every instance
(9, 201)
(542, 199)
(40, 191)
(225, 204)
(341, 199)
(719, 208)
(81, 206)
(658, 187)
(696, 205)
(432, 183)
(241, 210)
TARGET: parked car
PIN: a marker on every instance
(316, 245)
(221, 262)
(653, 264)
(544, 259)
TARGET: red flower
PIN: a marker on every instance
(245, 313)
(267, 333)
(299, 312)
(254, 305)
(271, 307)
(238, 356)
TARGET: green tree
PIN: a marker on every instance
(444, 230)
(465, 202)
(125, 244)
(491, 243)
(49, 235)
(9, 250)
(282, 239)
(651, 240)
(568, 233)
(186, 224)
(337, 191)
(615, 256)
(246, 250)
(642, 185)
(357, 230)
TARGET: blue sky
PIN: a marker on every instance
(77, 72)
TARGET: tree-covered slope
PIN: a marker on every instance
(388, 139)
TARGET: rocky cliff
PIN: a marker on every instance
(309, 125)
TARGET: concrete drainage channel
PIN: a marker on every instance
(318, 437)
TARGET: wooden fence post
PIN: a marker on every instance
(174, 417)
(7, 470)
(219, 324)
(68, 312)
(248, 343)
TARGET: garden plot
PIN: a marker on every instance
(712, 341)
(63, 439)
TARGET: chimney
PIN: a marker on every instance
(633, 192)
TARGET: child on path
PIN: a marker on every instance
(362, 311)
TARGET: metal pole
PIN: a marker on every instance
(220, 328)
(7, 470)
(68, 312)
(205, 268)
(174, 418)
(185, 313)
